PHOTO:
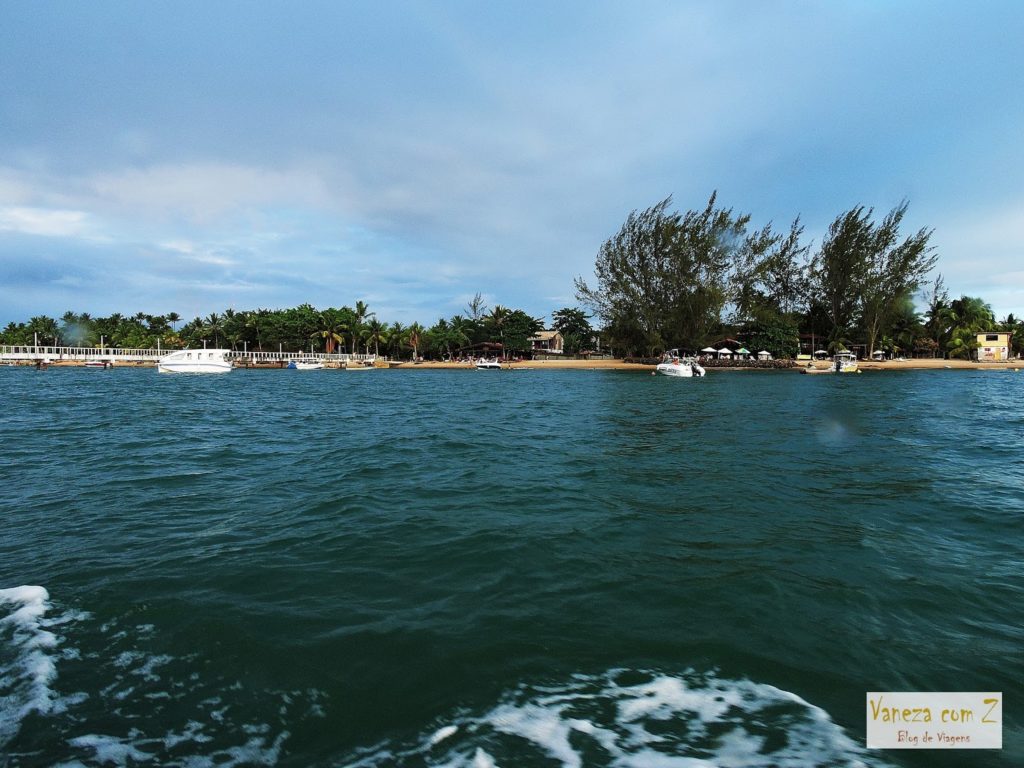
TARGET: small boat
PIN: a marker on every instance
(488, 365)
(674, 364)
(195, 361)
(359, 367)
(305, 365)
(843, 362)
(104, 364)
(846, 362)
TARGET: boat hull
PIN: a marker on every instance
(195, 361)
(679, 370)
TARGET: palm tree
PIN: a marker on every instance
(414, 338)
(45, 327)
(963, 319)
(496, 320)
(331, 324)
(173, 318)
(359, 315)
(375, 331)
(255, 321)
(395, 335)
(214, 326)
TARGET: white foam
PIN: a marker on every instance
(109, 750)
(26, 669)
(443, 733)
(686, 720)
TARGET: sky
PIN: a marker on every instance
(195, 156)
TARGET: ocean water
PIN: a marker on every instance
(531, 568)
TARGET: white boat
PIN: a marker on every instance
(195, 361)
(488, 365)
(843, 362)
(104, 364)
(846, 362)
(674, 364)
(306, 365)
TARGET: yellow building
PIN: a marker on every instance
(994, 346)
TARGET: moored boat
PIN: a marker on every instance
(305, 365)
(674, 364)
(846, 362)
(195, 361)
(488, 365)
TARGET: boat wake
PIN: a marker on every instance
(631, 718)
(152, 708)
(28, 658)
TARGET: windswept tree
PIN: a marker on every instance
(665, 276)
(863, 268)
(937, 299)
(770, 274)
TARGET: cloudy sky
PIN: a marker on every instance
(193, 156)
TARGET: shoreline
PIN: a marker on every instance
(622, 365)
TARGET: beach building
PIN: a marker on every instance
(994, 346)
(550, 342)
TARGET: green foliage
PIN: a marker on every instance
(574, 325)
(776, 334)
(863, 270)
(665, 278)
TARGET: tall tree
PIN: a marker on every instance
(666, 275)
(862, 269)
(574, 325)
(415, 335)
(360, 315)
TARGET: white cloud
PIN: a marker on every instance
(45, 222)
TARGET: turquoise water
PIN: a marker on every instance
(531, 568)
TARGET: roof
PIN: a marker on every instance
(545, 335)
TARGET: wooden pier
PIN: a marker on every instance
(31, 354)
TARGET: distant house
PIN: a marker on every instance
(994, 346)
(550, 342)
(482, 349)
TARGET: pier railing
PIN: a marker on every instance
(32, 353)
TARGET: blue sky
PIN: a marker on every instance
(189, 157)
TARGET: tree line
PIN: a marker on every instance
(669, 279)
(346, 329)
(665, 280)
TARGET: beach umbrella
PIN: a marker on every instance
(709, 349)
(821, 352)
(764, 354)
(724, 351)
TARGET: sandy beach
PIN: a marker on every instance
(621, 365)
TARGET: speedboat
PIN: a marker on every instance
(306, 365)
(195, 361)
(674, 364)
(846, 362)
(104, 364)
(488, 365)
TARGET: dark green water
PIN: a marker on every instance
(537, 568)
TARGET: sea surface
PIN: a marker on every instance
(529, 568)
